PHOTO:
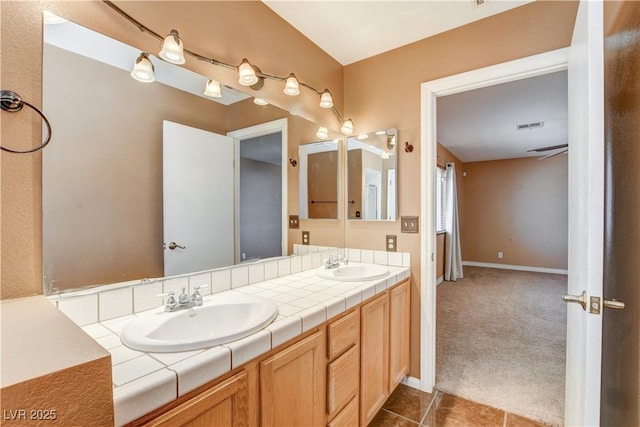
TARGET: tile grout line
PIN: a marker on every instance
(433, 399)
(401, 416)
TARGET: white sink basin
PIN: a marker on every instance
(222, 318)
(354, 272)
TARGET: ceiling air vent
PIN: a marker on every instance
(535, 125)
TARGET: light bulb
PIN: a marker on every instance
(172, 50)
(323, 132)
(246, 74)
(362, 136)
(347, 127)
(291, 87)
(213, 89)
(260, 101)
(143, 69)
(326, 101)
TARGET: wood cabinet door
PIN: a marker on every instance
(399, 321)
(292, 385)
(374, 344)
(226, 404)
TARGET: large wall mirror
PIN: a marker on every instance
(319, 180)
(372, 170)
(103, 191)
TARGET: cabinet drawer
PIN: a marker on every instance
(343, 380)
(343, 333)
(348, 417)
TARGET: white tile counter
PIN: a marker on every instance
(145, 381)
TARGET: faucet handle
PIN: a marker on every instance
(200, 287)
(196, 297)
(168, 294)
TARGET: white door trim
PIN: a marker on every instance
(280, 125)
(509, 71)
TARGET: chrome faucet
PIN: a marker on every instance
(184, 301)
(334, 261)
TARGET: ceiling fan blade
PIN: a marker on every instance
(548, 156)
(553, 147)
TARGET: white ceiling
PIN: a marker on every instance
(353, 30)
(481, 124)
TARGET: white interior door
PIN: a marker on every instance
(586, 214)
(198, 205)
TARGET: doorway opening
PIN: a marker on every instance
(515, 70)
(512, 199)
(260, 191)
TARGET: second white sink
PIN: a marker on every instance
(222, 318)
(354, 272)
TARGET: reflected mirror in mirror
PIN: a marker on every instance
(103, 198)
(372, 166)
(319, 166)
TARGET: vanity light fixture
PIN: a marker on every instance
(260, 101)
(347, 127)
(326, 100)
(213, 89)
(362, 136)
(384, 155)
(291, 86)
(246, 74)
(172, 50)
(323, 132)
(143, 69)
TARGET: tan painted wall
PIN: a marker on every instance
(270, 48)
(520, 207)
(102, 179)
(527, 30)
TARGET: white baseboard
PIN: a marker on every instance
(411, 382)
(515, 267)
(439, 280)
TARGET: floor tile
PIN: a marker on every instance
(388, 419)
(518, 421)
(453, 411)
(408, 402)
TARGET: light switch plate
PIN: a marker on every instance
(305, 237)
(391, 243)
(294, 222)
(409, 224)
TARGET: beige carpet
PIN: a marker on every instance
(501, 341)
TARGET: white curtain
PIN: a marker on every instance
(452, 251)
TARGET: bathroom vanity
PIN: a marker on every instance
(332, 356)
(339, 373)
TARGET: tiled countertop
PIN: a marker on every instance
(145, 381)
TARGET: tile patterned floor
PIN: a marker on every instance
(408, 407)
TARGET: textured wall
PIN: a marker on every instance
(527, 30)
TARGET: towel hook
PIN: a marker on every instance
(12, 102)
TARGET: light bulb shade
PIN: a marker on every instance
(291, 87)
(326, 100)
(172, 50)
(347, 127)
(260, 101)
(323, 132)
(213, 89)
(246, 74)
(143, 69)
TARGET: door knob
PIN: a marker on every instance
(580, 299)
(174, 245)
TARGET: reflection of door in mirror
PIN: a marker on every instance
(318, 180)
(322, 184)
(260, 197)
(371, 176)
(197, 199)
